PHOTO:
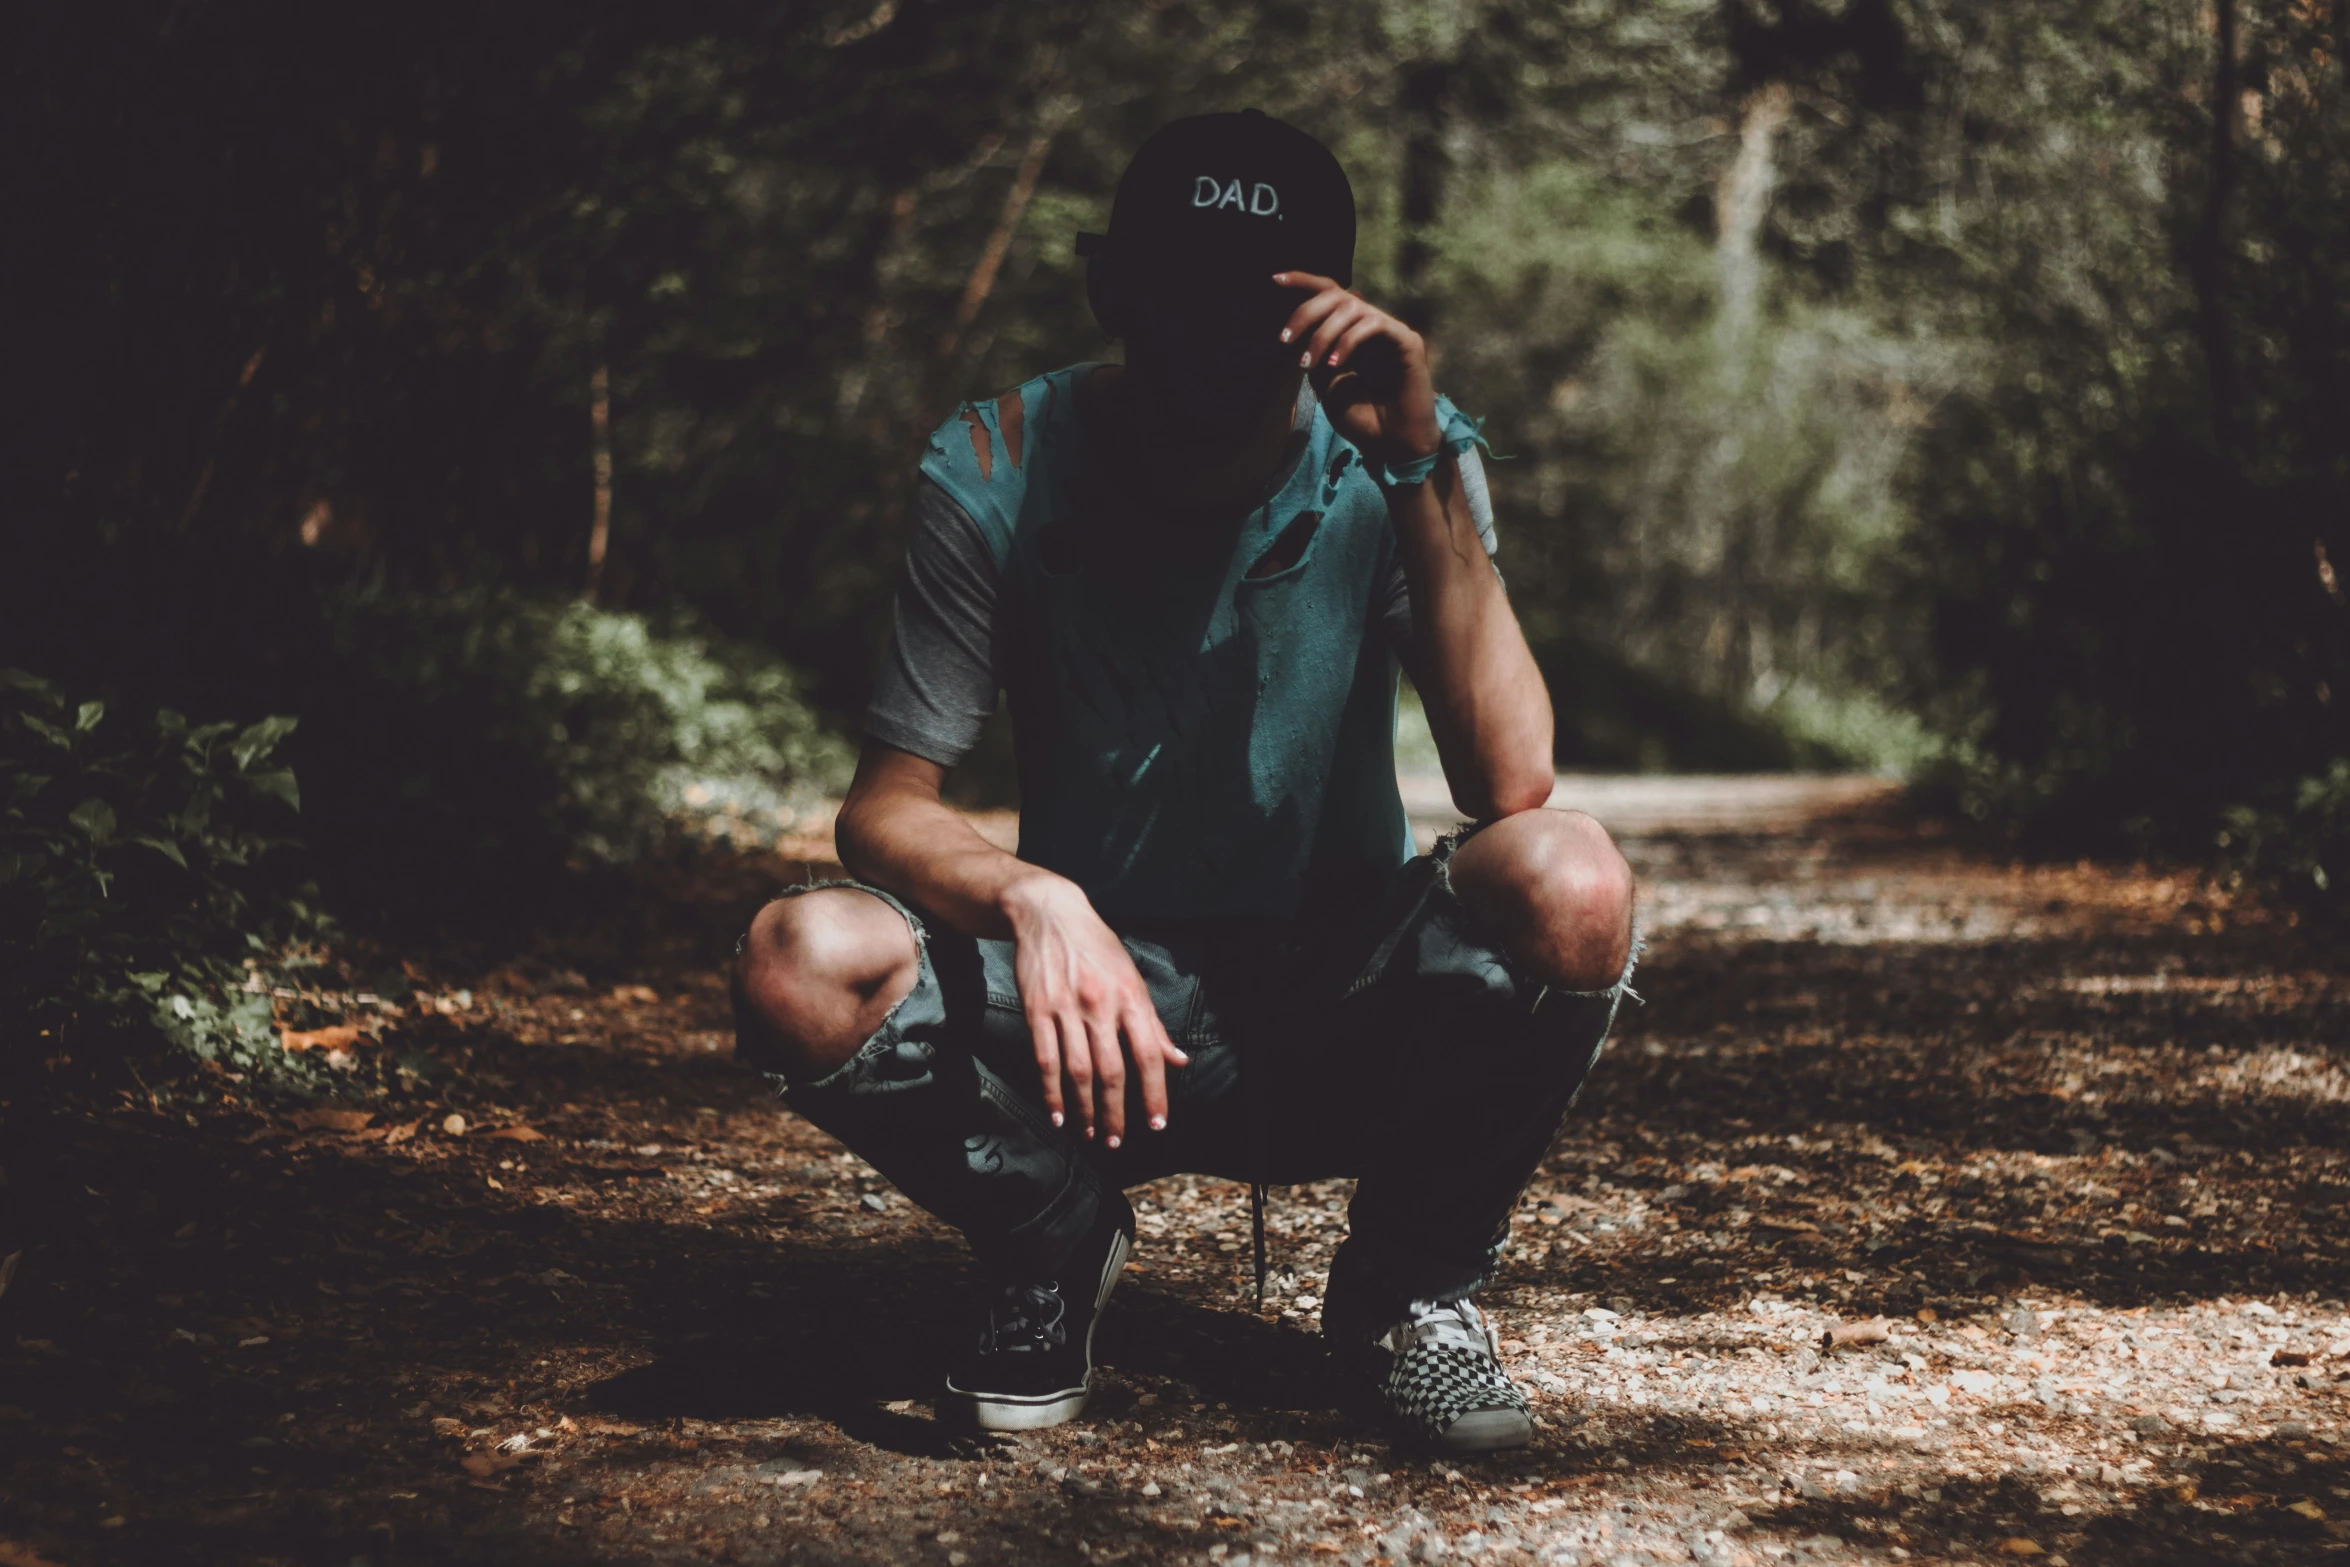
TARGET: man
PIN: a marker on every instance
(1193, 576)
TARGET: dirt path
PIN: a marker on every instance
(2076, 1133)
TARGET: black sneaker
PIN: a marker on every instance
(1033, 1364)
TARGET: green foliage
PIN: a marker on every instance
(2127, 508)
(475, 752)
(133, 890)
(2301, 844)
(1885, 380)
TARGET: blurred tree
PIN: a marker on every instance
(1854, 359)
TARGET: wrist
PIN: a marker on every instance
(1035, 894)
(1403, 467)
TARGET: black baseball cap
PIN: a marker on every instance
(1212, 206)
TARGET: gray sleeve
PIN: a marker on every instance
(937, 687)
(1394, 610)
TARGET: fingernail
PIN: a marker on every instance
(1334, 359)
(1305, 361)
(1113, 1142)
(1056, 1118)
(1280, 277)
(1285, 334)
(1089, 1134)
(1158, 1123)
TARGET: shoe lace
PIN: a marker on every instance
(1455, 1323)
(1026, 1317)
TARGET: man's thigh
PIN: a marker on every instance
(1207, 1128)
(1372, 992)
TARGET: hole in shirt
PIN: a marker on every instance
(981, 447)
(1009, 411)
(1289, 548)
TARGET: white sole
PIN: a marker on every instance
(1487, 1431)
(1035, 1411)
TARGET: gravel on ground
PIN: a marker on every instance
(1935, 1206)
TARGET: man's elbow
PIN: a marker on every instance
(1506, 794)
(852, 834)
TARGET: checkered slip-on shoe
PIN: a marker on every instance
(1443, 1381)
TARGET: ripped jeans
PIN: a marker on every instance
(1399, 1047)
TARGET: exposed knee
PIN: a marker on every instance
(817, 975)
(1554, 887)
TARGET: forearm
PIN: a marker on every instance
(927, 853)
(1486, 702)
(896, 833)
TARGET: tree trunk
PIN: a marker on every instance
(991, 257)
(600, 429)
(1742, 200)
(1425, 166)
(2210, 255)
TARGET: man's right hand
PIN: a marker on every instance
(1082, 994)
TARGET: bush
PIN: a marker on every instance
(471, 754)
(2302, 844)
(133, 893)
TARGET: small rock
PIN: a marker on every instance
(1430, 1548)
(2292, 1431)
(2149, 1425)
(874, 1201)
(1151, 1488)
(454, 1124)
(2026, 1324)
(1080, 1485)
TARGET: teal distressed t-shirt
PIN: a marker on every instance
(1202, 726)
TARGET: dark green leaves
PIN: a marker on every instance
(135, 867)
(96, 820)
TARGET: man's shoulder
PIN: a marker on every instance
(986, 455)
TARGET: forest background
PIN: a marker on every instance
(449, 443)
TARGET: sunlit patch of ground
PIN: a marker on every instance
(2074, 1133)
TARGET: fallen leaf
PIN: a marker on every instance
(400, 1133)
(520, 1134)
(341, 1037)
(15, 1555)
(1928, 1314)
(482, 1465)
(2017, 1545)
(2290, 1357)
(2308, 1509)
(444, 1425)
(1874, 1331)
(331, 1120)
(641, 995)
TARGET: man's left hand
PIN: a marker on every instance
(1369, 369)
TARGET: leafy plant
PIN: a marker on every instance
(472, 754)
(2302, 844)
(133, 893)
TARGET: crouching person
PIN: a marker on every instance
(1195, 576)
